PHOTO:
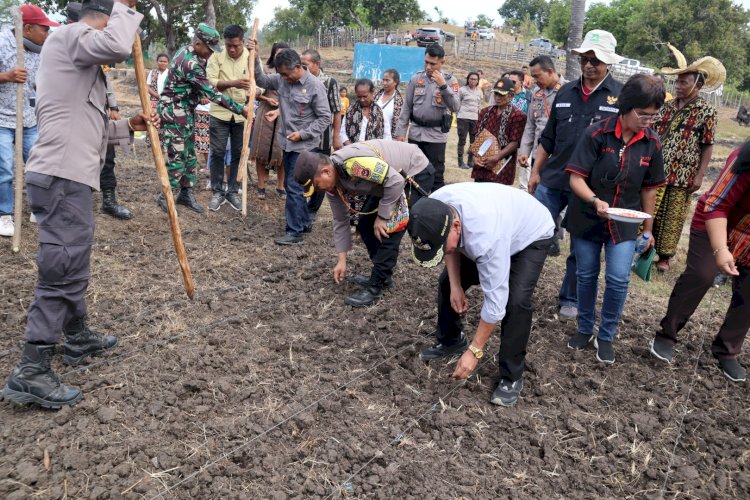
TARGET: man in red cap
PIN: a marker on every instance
(36, 27)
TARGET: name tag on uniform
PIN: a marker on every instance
(420, 91)
(562, 105)
(609, 109)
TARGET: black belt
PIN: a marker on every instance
(427, 123)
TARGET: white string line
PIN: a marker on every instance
(402, 434)
(231, 452)
(690, 391)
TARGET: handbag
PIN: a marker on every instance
(484, 145)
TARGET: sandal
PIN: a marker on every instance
(663, 265)
(281, 193)
(261, 193)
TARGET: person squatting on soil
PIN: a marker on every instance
(430, 101)
(305, 116)
(719, 242)
(548, 83)
(578, 104)
(686, 128)
(494, 236)
(376, 170)
(617, 163)
(186, 85)
(62, 172)
(107, 178)
(36, 27)
(227, 71)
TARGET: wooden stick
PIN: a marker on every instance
(242, 171)
(18, 159)
(161, 169)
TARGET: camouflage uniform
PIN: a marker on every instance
(186, 84)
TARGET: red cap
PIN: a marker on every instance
(34, 15)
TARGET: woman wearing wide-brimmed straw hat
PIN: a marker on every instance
(686, 126)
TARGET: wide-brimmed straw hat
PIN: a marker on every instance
(602, 43)
(711, 68)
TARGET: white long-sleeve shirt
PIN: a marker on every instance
(497, 222)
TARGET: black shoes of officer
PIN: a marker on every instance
(365, 297)
(81, 342)
(461, 163)
(662, 349)
(733, 370)
(162, 202)
(507, 392)
(111, 207)
(440, 351)
(364, 280)
(187, 198)
(33, 381)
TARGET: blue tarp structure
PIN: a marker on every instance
(370, 60)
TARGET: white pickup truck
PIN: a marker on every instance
(629, 67)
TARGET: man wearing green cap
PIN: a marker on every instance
(186, 85)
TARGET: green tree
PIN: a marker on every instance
(516, 11)
(387, 13)
(559, 21)
(617, 18)
(8, 8)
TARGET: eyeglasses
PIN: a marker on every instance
(589, 60)
(645, 118)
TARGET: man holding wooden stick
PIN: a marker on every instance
(62, 171)
(36, 27)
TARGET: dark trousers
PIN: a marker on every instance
(525, 267)
(107, 179)
(384, 254)
(295, 209)
(65, 218)
(435, 152)
(690, 289)
(465, 127)
(315, 201)
(220, 131)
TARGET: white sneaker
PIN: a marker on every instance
(7, 228)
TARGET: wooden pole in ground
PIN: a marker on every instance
(161, 169)
(18, 157)
(242, 170)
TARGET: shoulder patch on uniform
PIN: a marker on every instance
(455, 87)
(611, 99)
(367, 167)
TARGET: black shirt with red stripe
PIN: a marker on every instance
(616, 172)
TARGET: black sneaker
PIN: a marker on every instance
(364, 280)
(579, 341)
(507, 392)
(234, 201)
(662, 349)
(217, 200)
(440, 351)
(289, 239)
(605, 353)
(733, 370)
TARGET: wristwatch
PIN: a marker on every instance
(593, 199)
(478, 353)
(443, 86)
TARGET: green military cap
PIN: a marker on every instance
(209, 36)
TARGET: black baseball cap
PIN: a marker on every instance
(504, 86)
(103, 6)
(73, 10)
(305, 169)
(429, 224)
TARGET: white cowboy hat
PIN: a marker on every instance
(711, 68)
(603, 44)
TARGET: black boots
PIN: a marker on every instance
(33, 381)
(461, 163)
(111, 207)
(365, 297)
(81, 342)
(187, 198)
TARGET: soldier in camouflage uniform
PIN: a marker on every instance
(186, 85)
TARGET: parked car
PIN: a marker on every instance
(469, 31)
(429, 35)
(449, 37)
(631, 66)
(486, 34)
(541, 43)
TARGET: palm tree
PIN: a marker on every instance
(210, 14)
(575, 37)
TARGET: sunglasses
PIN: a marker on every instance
(589, 60)
(645, 117)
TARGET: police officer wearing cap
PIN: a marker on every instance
(430, 101)
(504, 257)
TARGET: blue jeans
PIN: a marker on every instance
(618, 259)
(7, 140)
(297, 215)
(556, 200)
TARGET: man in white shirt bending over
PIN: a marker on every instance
(496, 237)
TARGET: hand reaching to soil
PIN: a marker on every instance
(339, 270)
(466, 365)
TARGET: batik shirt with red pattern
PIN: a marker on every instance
(513, 133)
